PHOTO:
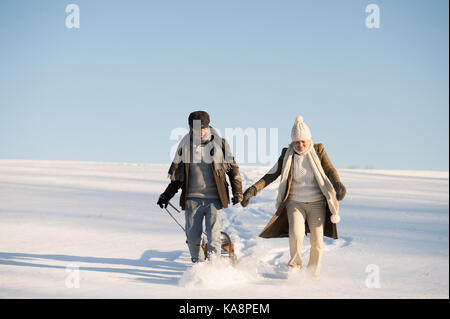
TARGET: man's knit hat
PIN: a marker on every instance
(300, 131)
(201, 116)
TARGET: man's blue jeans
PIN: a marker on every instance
(210, 210)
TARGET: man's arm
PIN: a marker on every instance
(170, 192)
(233, 175)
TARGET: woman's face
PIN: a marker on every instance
(302, 145)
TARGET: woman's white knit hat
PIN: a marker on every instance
(300, 131)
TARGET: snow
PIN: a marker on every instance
(93, 230)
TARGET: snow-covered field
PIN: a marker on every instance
(99, 222)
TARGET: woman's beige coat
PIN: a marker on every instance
(278, 225)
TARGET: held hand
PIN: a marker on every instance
(249, 193)
(163, 201)
(237, 199)
(340, 190)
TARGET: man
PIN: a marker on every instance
(201, 164)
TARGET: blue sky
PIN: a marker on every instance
(114, 89)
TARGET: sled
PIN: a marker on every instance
(227, 244)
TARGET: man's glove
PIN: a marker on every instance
(249, 193)
(340, 190)
(237, 199)
(163, 201)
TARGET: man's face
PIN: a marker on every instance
(202, 131)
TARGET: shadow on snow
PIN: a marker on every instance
(160, 267)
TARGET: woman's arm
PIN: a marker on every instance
(331, 172)
(271, 175)
(327, 166)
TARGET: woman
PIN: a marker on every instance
(307, 197)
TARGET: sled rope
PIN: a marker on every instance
(176, 221)
(227, 246)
